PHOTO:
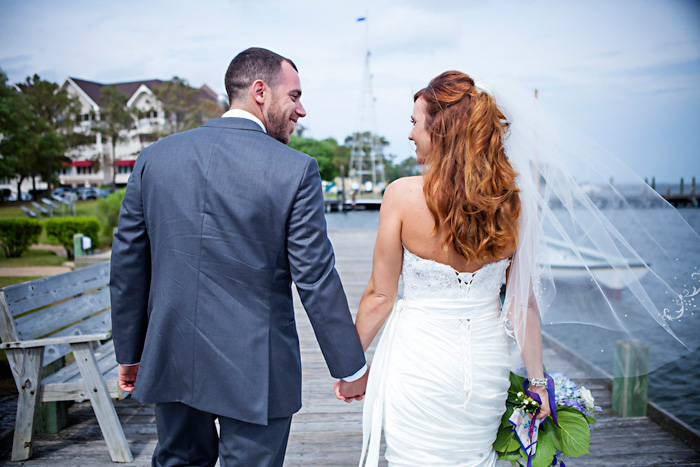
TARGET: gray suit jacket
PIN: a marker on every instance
(215, 225)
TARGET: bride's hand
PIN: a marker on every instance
(545, 410)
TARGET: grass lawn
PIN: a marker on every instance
(5, 281)
(32, 258)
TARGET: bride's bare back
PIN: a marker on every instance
(417, 228)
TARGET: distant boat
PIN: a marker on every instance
(565, 264)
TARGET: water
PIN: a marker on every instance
(672, 386)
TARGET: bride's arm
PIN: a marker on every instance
(529, 339)
(380, 293)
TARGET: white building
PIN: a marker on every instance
(91, 165)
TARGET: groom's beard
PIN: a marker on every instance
(277, 123)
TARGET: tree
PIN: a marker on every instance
(116, 120)
(341, 154)
(322, 151)
(406, 168)
(23, 134)
(60, 111)
(183, 105)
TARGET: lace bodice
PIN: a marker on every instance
(427, 279)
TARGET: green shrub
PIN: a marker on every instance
(108, 212)
(62, 230)
(17, 234)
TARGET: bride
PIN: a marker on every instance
(439, 378)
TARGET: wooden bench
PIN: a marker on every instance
(28, 212)
(43, 320)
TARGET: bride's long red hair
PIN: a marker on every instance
(469, 184)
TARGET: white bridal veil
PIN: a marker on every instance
(604, 256)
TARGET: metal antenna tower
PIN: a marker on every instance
(366, 158)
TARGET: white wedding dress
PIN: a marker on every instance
(439, 376)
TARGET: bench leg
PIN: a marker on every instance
(28, 368)
(102, 404)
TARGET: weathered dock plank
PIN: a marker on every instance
(327, 432)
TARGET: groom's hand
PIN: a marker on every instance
(126, 376)
(349, 392)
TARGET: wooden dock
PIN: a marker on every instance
(327, 432)
(691, 199)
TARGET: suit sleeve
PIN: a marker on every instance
(130, 276)
(312, 266)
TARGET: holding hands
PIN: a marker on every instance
(349, 392)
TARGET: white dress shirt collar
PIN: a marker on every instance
(240, 113)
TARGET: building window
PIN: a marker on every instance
(84, 170)
(64, 171)
(125, 169)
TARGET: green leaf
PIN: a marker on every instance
(545, 450)
(590, 419)
(510, 456)
(506, 416)
(516, 383)
(502, 438)
(506, 440)
(523, 454)
(573, 434)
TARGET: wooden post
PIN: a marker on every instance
(631, 378)
(653, 183)
(52, 417)
(681, 185)
(28, 373)
(692, 187)
(104, 409)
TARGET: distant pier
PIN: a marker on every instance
(679, 200)
(362, 204)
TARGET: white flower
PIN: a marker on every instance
(587, 397)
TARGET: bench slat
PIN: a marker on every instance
(79, 338)
(94, 325)
(74, 392)
(47, 320)
(41, 292)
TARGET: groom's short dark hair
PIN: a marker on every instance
(252, 64)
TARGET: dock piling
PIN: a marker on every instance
(631, 378)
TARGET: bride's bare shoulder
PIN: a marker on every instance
(403, 194)
(405, 186)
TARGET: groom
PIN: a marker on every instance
(215, 225)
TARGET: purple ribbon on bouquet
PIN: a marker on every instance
(536, 397)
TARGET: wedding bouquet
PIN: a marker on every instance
(539, 443)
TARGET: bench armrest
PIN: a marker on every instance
(56, 341)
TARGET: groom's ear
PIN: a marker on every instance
(258, 91)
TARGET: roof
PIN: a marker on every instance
(94, 89)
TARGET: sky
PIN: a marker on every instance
(625, 73)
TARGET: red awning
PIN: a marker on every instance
(82, 163)
(125, 163)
